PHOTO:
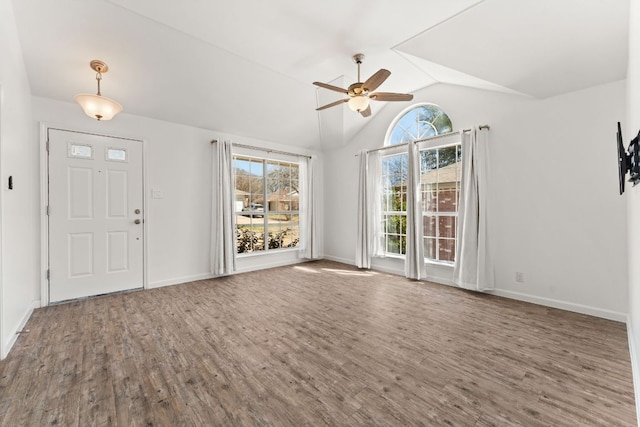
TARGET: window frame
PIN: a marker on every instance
(438, 145)
(401, 151)
(266, 212)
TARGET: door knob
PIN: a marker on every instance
(137, 211)
(137, 221)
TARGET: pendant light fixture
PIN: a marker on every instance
(97, 106)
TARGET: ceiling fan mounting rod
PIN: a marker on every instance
(357, 58)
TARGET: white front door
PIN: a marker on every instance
(95, 215)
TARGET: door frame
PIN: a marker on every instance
(44, 201)
(2, 299)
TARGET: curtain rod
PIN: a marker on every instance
(404, 144)
(267, 150)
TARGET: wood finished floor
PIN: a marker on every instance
(319, 343)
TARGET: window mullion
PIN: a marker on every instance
(437, 216)
(265, 205)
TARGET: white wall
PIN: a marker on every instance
(178, 162)
(556, 214)
(633, 194)
(19, 251)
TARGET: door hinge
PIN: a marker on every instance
(47, 210)
(47, 146)
(48, 274)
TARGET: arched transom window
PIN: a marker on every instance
(419, 122)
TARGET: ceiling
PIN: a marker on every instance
(246, 67)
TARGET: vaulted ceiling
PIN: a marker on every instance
(246, 67)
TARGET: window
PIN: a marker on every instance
(440, 170)
(440, 184)
(266, 204)
(419, 123)
(394, 203)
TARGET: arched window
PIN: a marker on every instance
(418, 122)
(440, 167)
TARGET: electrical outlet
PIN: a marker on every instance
(519, 277)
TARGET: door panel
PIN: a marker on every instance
(118, 251)
(80, 193)
(117, 189)
(80, 254)
(95, 198)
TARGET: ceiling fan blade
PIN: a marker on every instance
(376, 80)
(331, 87)
(366, 112)
(333, 104)
(388, 96)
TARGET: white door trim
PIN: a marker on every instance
(2, 299)
(44, 201)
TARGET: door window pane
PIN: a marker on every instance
(117, 154)
(80, 151)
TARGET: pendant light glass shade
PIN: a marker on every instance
(358, 103)
(97, 106)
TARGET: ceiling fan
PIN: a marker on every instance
(360, 93)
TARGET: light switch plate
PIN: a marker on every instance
(157, 194)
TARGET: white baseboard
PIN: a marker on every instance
(205, 276)
(635, 369)
(178, 280)
(13, 334)
(441, 281)
(547, 302)
(271, 264)
(378, 266)
(387, 269)
(563, 305)
(341, 260)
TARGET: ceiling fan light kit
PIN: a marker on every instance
(97, 106)
(358, 103)
(361, 93)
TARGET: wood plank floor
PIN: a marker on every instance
(319, 343)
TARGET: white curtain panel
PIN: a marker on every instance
(364, 237)
(223, 232)
(308, 210)
(369, 210)
(375, 205)
(473, 269)
(414, 266)
(374, 210)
